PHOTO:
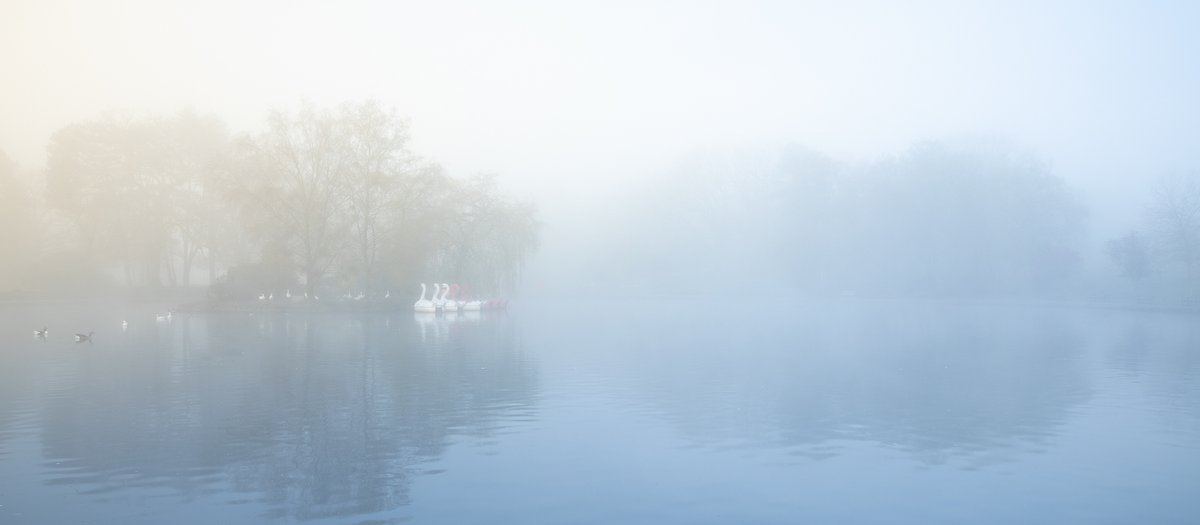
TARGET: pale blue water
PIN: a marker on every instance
(663, 411)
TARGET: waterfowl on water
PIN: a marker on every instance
(41, 333)
(79, 338)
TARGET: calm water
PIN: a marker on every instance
(603, 412)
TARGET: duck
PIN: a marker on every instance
(41, 333)
(124, 325)
(79, 338)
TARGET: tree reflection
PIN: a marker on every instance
(310, 416)
(935, 381)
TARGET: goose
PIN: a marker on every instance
(424, 305)
(41, 333)
(124, 325)
(79, 338)
(288, 294)
(262, 297)
(163, 317)
(387, 294)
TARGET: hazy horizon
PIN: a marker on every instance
(531, 261)
(564, 101)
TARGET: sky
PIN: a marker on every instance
(568, 100)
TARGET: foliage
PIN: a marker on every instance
(140, 191)
(1131, 254)
(941, 219)
(323, 198)
(1173, 219)
(18, 236)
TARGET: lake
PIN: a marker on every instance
(608, 411)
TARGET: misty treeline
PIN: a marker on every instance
(942, 219)
(321, 201)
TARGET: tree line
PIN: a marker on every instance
(321, 201)
(1159, 258)
(941, 219)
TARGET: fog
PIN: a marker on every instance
(531, 262)
(1005, 149)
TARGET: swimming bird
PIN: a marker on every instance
(124, 325)
(41, 333)
(79, 338)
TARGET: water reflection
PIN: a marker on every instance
(935, 382)
(1159, 356)
(310, 417)
(684, 410)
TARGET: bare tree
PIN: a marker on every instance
(485, 237)
(1131, 254)
(110, 178)
(197, 165)
(379, 161)
(1174, 217)
(319, 195)
(298, 185)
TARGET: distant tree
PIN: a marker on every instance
(108, 176)
(1131, 254)
(143, 192)
(954, 219)
(485, 237)
(942, 219)
(1174, 218)
(379, 163)
(296, 185)
(17, 226)
(199, 211)
(812, 205)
